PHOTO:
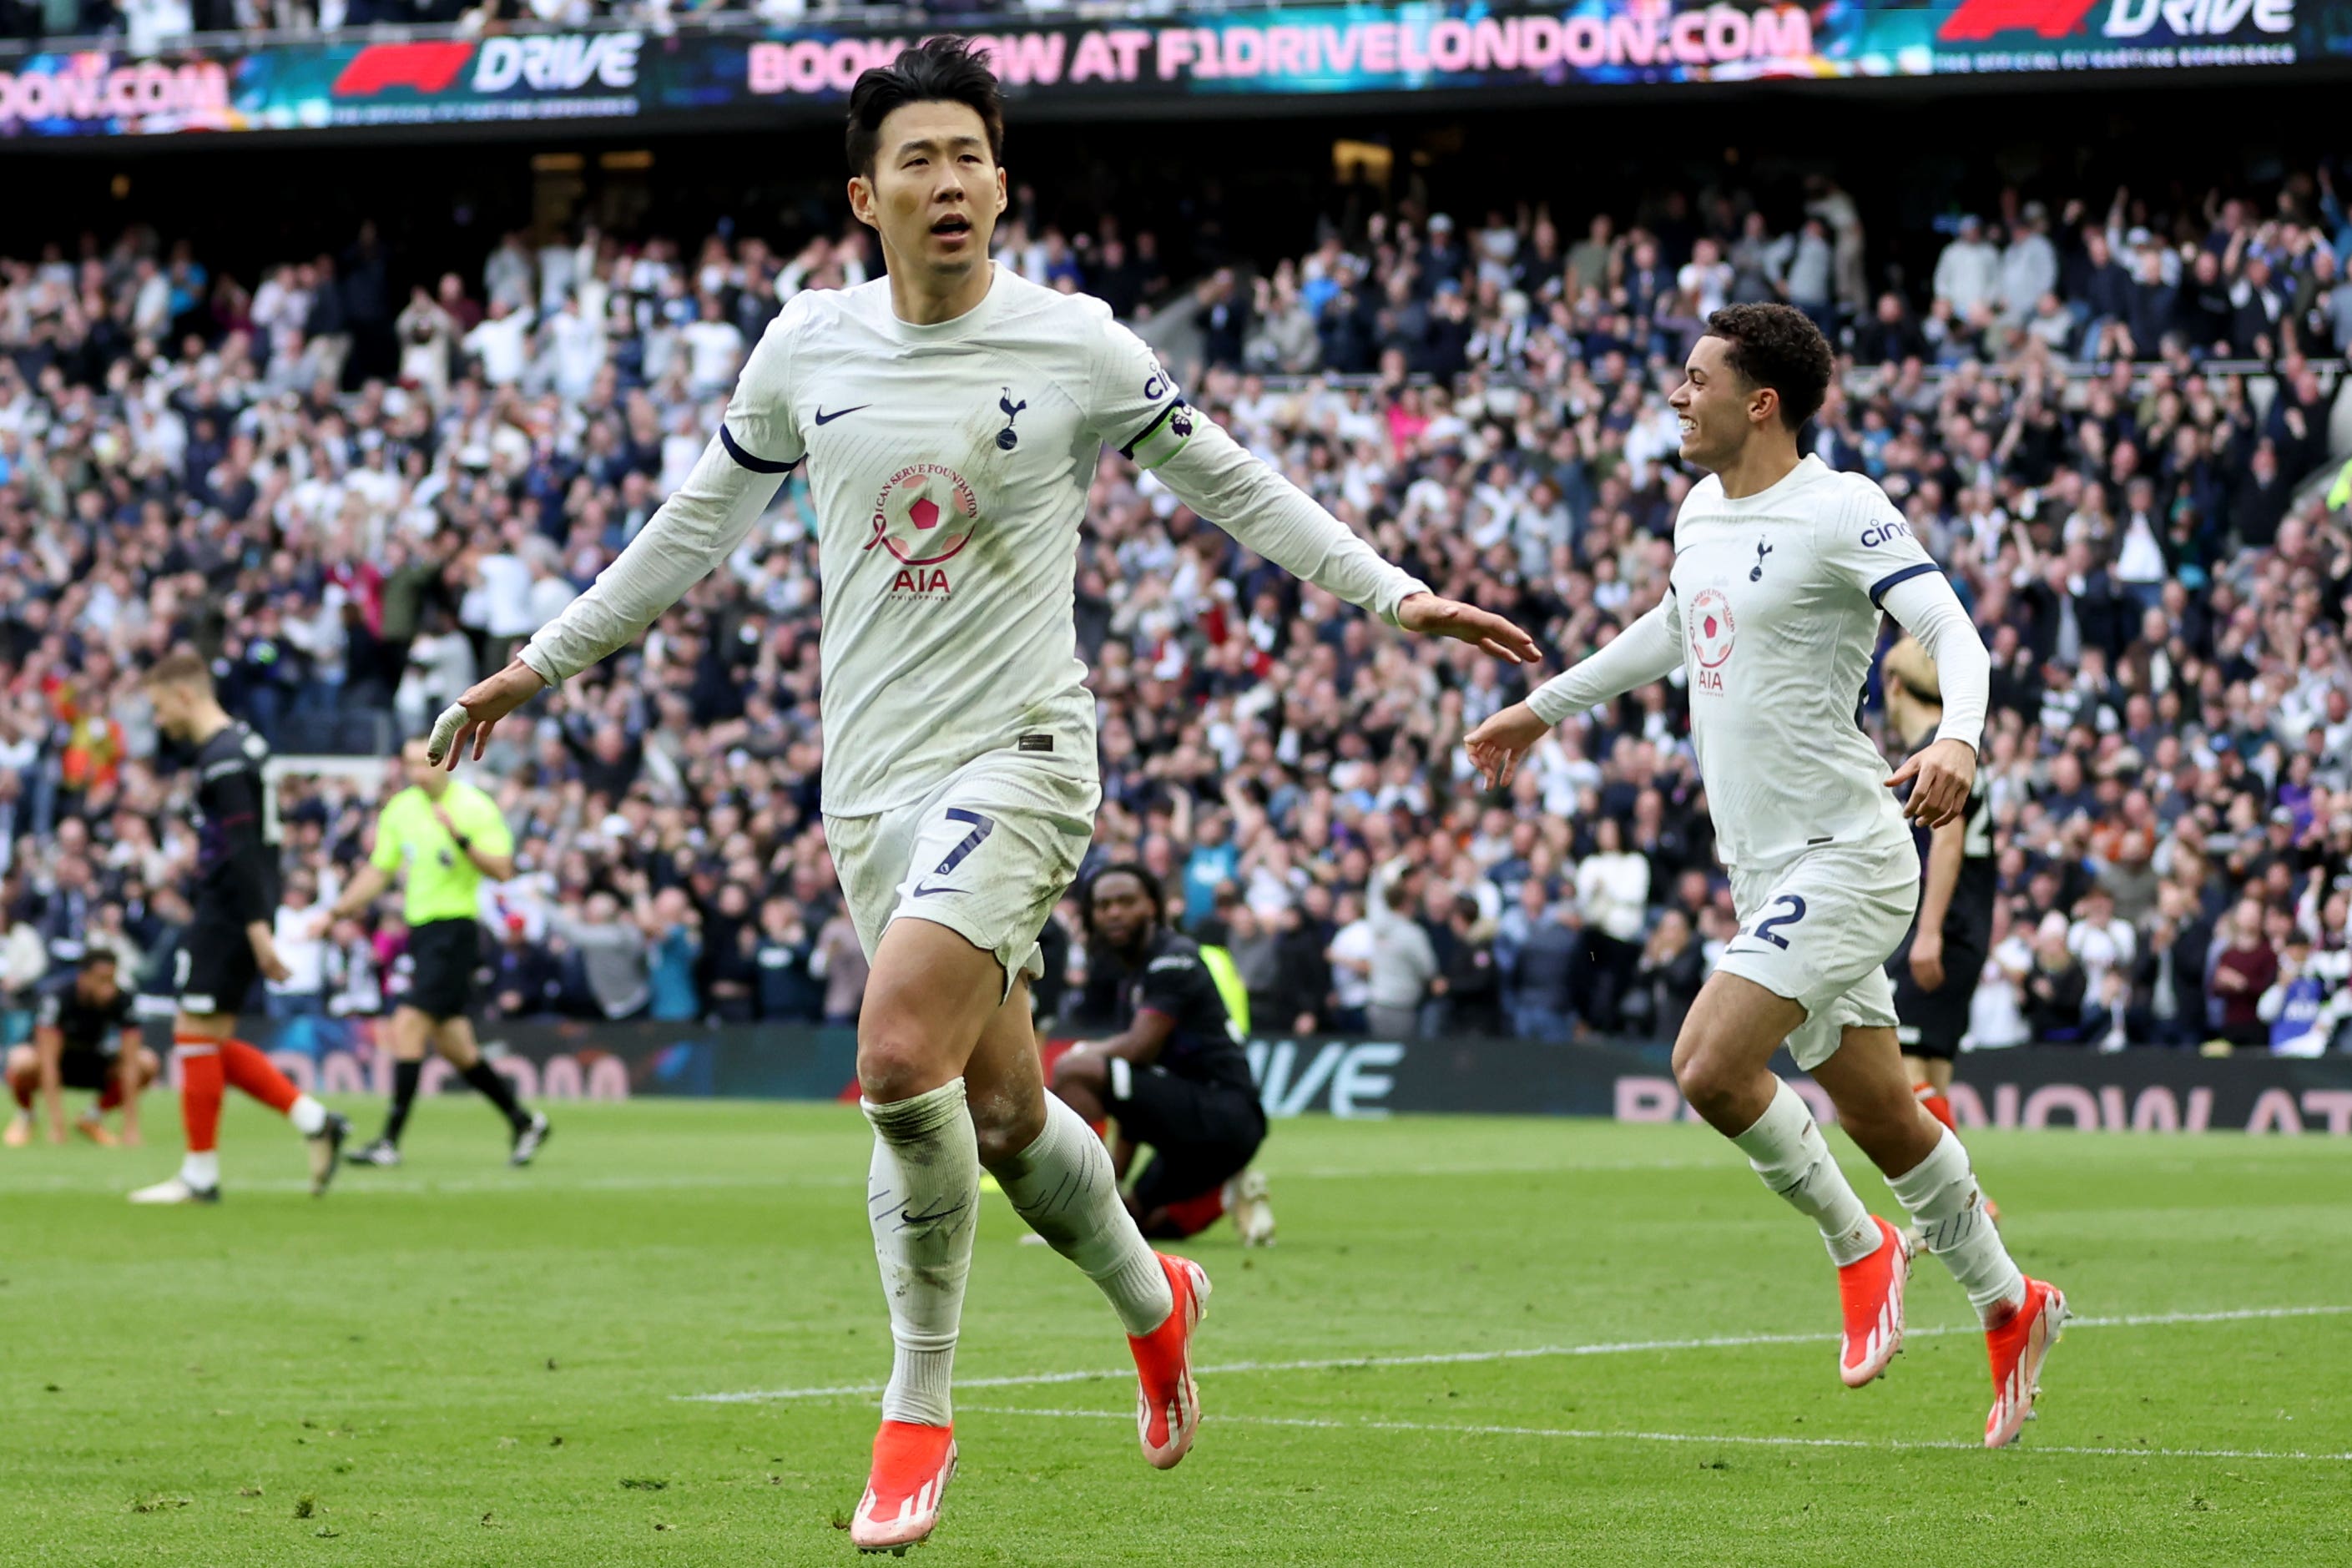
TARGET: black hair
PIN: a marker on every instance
(1141, 873)
(937, 70)
(98, 953)
(1777, 346)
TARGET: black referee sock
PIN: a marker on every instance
(405, 1076)
(492, 1085)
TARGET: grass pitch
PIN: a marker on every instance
(456, 1363)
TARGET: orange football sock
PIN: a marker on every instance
(247, 1069)
(200, 1092)
(1192, 1215)
(1929, 1096)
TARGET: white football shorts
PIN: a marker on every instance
(1818, 930)
(987, 854)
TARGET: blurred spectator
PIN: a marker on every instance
(673, 937)
(1613, 888)
(612, 953)
(2055, 986)
(1552, 975)
(353, 981)
(525, 981)
(787, 991)
(1471, 986)
(2243, 968)
(1401, 964)
(840, 963)
(1673, 968)
(302, 996)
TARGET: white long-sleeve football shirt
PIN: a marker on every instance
(1773, 613)
(949, 465)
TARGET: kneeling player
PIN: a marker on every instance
(77, 1044)
(1174, 1075)
(1936, 970)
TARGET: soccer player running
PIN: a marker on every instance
(449, 835)
(951, 415)
(228, 943)
(79, 1023)
(1783, 567)
(1175, 1075)
(1937, 968)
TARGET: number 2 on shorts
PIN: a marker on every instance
(1764, 932)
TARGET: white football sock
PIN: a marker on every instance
(307, 1114)
(921, 1196)
(1941, 1193)
(1063, 1186)
(201, 1170)
(1786, 1150)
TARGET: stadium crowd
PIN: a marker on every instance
(355, 501)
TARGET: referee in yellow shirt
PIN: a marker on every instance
(449, 836)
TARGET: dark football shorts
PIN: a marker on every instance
(90, 1069)
(216, 966)
(1932, 1022)
(445, 954)
(1202, 1135)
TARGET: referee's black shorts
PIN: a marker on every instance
(444, 955)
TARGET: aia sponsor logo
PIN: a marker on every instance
(1710, 628)
(924, 517)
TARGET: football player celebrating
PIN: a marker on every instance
(951, 415)
(1783, 568)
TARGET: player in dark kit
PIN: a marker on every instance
(227, 945)
(1174, 1075)
(80, 1022)
(1936, 970)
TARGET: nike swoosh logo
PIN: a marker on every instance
(824, 418)
(926, 891)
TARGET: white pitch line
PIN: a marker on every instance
(419, 1185)
(1584, 1435)
(1532, 1352)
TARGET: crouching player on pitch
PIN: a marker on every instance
(1937, 968)
(1174, 1075)
(79, 1044)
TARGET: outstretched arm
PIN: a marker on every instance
(1649, 650)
